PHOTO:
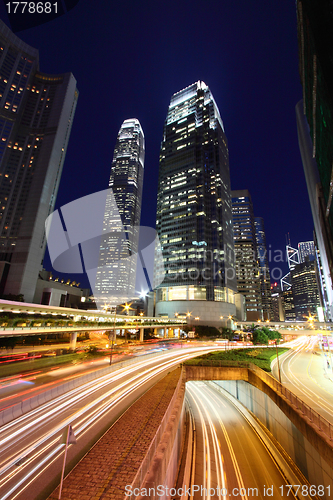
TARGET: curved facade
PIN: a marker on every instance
(36, 115)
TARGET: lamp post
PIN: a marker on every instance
(113, 334)
(278, 362)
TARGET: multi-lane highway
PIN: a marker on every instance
(29, 445)
(230, 460)
(304, 372)
(232, 457)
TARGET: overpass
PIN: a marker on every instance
(112, 321)
(106, 320)
(297, 328)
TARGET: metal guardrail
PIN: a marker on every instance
(143, 469)
(318, 420)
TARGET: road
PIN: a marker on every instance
(29, 446)
(31, 383)
(304, 372)
(229, 455)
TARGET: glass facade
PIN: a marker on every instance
(306, 249)
(194, 218)
(247, 261)
(305, 289)
(265, 279)
(116, 274)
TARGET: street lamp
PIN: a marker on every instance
(278, 362)
(127, 308)
(113, 335)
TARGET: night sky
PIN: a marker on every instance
(129, 57)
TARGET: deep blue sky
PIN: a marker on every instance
(130, 56)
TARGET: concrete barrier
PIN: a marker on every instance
(309, 447)
(160, 467)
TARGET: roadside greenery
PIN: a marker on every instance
(263, 335)
(261, 357)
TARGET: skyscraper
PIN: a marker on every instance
(36, 115)
(277, 309)
(194, 218)
(247, 262)
(315, 126)
(288, 305)
(264, 274)
(116, 274)
(305, 289)
(306, 249)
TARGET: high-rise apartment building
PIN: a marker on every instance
(116, 273)
(315, 126)
(194, 217)
(264, 274)
(247, 261)
(36, 115)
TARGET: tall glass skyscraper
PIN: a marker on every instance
(36, 116)
(247, 260)
(264, 274)
(116, 274)
(315, 128)
(194, 217)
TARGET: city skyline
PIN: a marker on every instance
(255, 80)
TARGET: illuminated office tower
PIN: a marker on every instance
(277, 306)
(194, 219)
(36, 115)
(116, 274)
(306, 249)
(247, 262)
(305, 289)
(264, 274)
(126, 178)
(314, 115)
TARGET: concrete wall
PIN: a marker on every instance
(304, 442)
(164, 466)
(305, 456)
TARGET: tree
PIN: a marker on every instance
(259, 336)
(227, 333)
(271, 334)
